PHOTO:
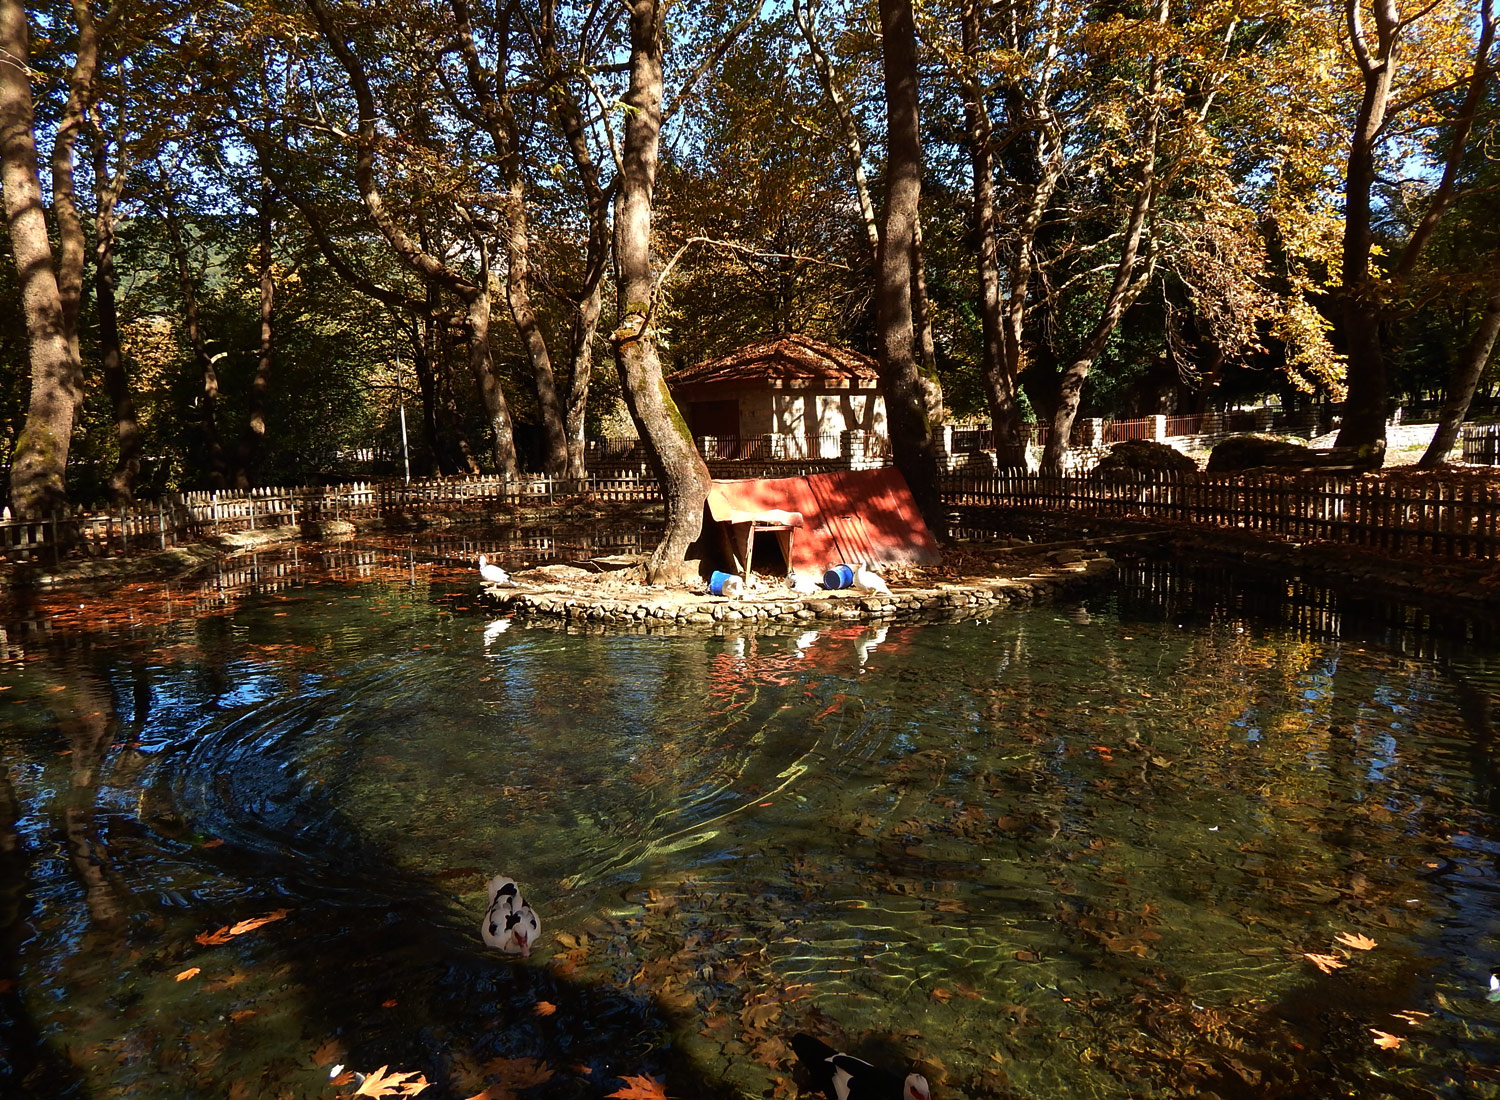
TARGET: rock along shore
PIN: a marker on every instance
(574, 595)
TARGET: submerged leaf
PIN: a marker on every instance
(1354, 940)
(1386, 1041)
(1326, 963)
(640, 1088)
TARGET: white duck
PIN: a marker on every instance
(867, 580)
(510, 924)
(492, 574)
(801, 584)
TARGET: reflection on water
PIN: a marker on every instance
(1132, 849)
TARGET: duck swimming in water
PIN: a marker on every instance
(510, 924)
(844, 1077)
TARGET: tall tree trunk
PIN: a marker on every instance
(1465, 377)
(929, 387)
(252, 442)
(496, 112)
(1365, 402)
(999, 382)
(680, 469)
(70, 237)
(912, 441)
(588, 300)
(39, 466)
(581, 354)
(207, 362)
(106, 285)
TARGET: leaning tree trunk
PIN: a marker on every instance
(1465, 379)
(39, 466)
(680, 469)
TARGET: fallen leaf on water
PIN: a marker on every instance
(190, 972)
(1412, 1017)
(511, 1075)
(640, 1088)
(1027, 957)
(544, 1008)
(1326, 963)
(389, 1003)
(1356, 941)
(327, 1054)
(941, 995)
(381, 1083)
(256, 922)
(242, 1014)
(1386, 1041)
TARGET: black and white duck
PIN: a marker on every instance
(510, 924)
(844, 1077)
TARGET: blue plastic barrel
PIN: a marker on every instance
(720, 580)
(838, 576)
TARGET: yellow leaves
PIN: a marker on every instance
(640, 1088)
(1386, 1041)
(228, 932)
(381, 1083)
(1355, 940)
(190, 972)
(544, 1008)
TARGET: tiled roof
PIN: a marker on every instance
(793, 359)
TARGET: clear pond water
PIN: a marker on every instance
(1149, 846)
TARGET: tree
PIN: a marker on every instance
(679, 467)
(39, 465)
(912, 443)
(1426, 46)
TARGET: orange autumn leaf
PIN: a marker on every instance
(640, 1088)
(190, 972)
(330, 1052)
(1386, 1041)
(544, 1008)
(381, 1083)
(255, 922)
(1354, 940)
(229, 931)
(1326, 963)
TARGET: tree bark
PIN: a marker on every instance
(107, 191)
(71, 246)
(1465, 378)
(1365, 402)
(912, 441)
(680, 469)
(39, 465)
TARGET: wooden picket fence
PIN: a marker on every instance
(1449, 519)
(177, 520)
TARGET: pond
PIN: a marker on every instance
(1153, 845)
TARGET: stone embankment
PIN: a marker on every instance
(575, 595)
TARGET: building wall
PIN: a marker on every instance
(804, 412)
